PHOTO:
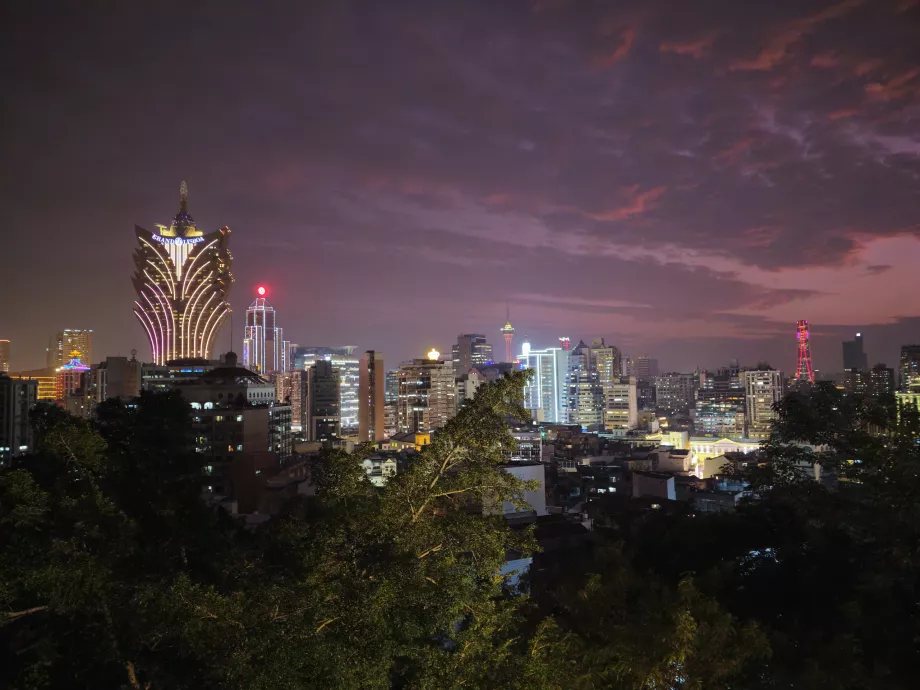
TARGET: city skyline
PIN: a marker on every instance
(684, 182)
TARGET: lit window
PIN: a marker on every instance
(239, 418)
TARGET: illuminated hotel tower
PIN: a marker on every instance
(182, 278)
(264, 347)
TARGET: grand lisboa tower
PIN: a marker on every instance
(182, 278)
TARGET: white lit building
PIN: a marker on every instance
(621, 409)
(545, 394)
(762, 389)
(265, 351)
(349, 368)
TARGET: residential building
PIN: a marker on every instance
(909, 367)
(855, 381)
(881, 381)
(720, 404)
(585, 405)
(4, 356)
(546, 393)
(467, 385)
(182, 277)
(535, 498)
(348, 366)
(427, 396)
(371, 398)
(470, 351)
(116, 377)
(265, 351)
(854, 356)
(646, 368)
(323, 402)
(63, 343)
(291, 389)
(380, 467)
(621, 410)
(762, 390)
(654, 485)
(675, 392)
(17, 397)
(607, 362)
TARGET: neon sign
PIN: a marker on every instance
(178, 240)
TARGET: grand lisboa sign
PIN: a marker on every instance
(178, 240)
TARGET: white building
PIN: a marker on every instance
(427, 394)
(264, 349)
(349, 368)
(621, 406)
(762, 389)
(546, 393)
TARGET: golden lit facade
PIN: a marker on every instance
(182, 277)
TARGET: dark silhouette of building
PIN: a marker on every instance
(323, 402)
(854, 356)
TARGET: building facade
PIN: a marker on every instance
(117, 377)
(909, 366)
(17, 397)
(546, 393)
(607, 362)
(621, 409)
(63, 343)
(265, 351)
(371, 398)
(427, 397)
(675, 392)
(720, 405)
(348, 366)
(4, 356)
(291, 389)
(585, 404)
(881, 381)
(70, 378)
(854, 356)
(470, 351)
(323, 402)
(182, 277)
(762, 390)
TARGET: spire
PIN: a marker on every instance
(183, 196)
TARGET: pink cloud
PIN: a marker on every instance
(628, 37)
(694, 49)
(639, 203)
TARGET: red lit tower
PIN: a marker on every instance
(564, 342)
(508, 332)
(803, 368)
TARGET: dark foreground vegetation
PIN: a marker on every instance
(113, 573)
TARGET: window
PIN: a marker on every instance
(239, 418)
(219, 418)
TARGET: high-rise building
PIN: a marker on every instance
(508, 335)
(323, 402)
(762, 389)
(646, 367)
(427, 394)
(585, 404)
(17, 396)
(371, 398)
(607, 362)
(181, 277)
(675, 392)
(720, 405)
(546, 393)
(909, 366)
(471, 350)
(117, 377)
(804, 371)
(69, 378)
(265, 351)
(881, 381)
(468, 385)
(348, 366)
(854, 356)
(291, 389)
(390, 400)
(621, 406)
(63, 343)
(4, 356)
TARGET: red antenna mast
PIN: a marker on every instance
(803, 368)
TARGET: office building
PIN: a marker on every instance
(854, 356)
(182, 277)
(17, 397)
(427, 396)
(881, 381)
(646, 367)
(470, 351)
(371, 398)
(344, 361)
(70, 378)
(585, 404)
(855, 381)
(675, 392)
(116, 377)
(546, 393)
(291, 389)
(265, 351)
(762, 390)
(909, 366)
(323, 402)
(607, 362)
(621, 406)
(4, 356)
(720, 405)
(65, 342)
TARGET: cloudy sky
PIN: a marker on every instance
(686, 179)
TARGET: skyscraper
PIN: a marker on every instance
(545, 394)
(803, 368)
(63, 343)
(881, 381)
(675, 392)
(720, 405)
(762, 389)
(909, 366)
(621, 405)
(17, 396)
(854, 356)
(181, 277)
(344, 361)
(4, 356)
(606, 361)
(323, 399)
(427, 394)
(585, 405)
(508, 335)
(646, 367)
(371, 395)
(265, 351)
(470, 351)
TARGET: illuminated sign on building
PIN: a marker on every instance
(178, 240)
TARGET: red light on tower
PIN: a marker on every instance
(261, 290)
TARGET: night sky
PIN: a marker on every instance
(686, 179)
